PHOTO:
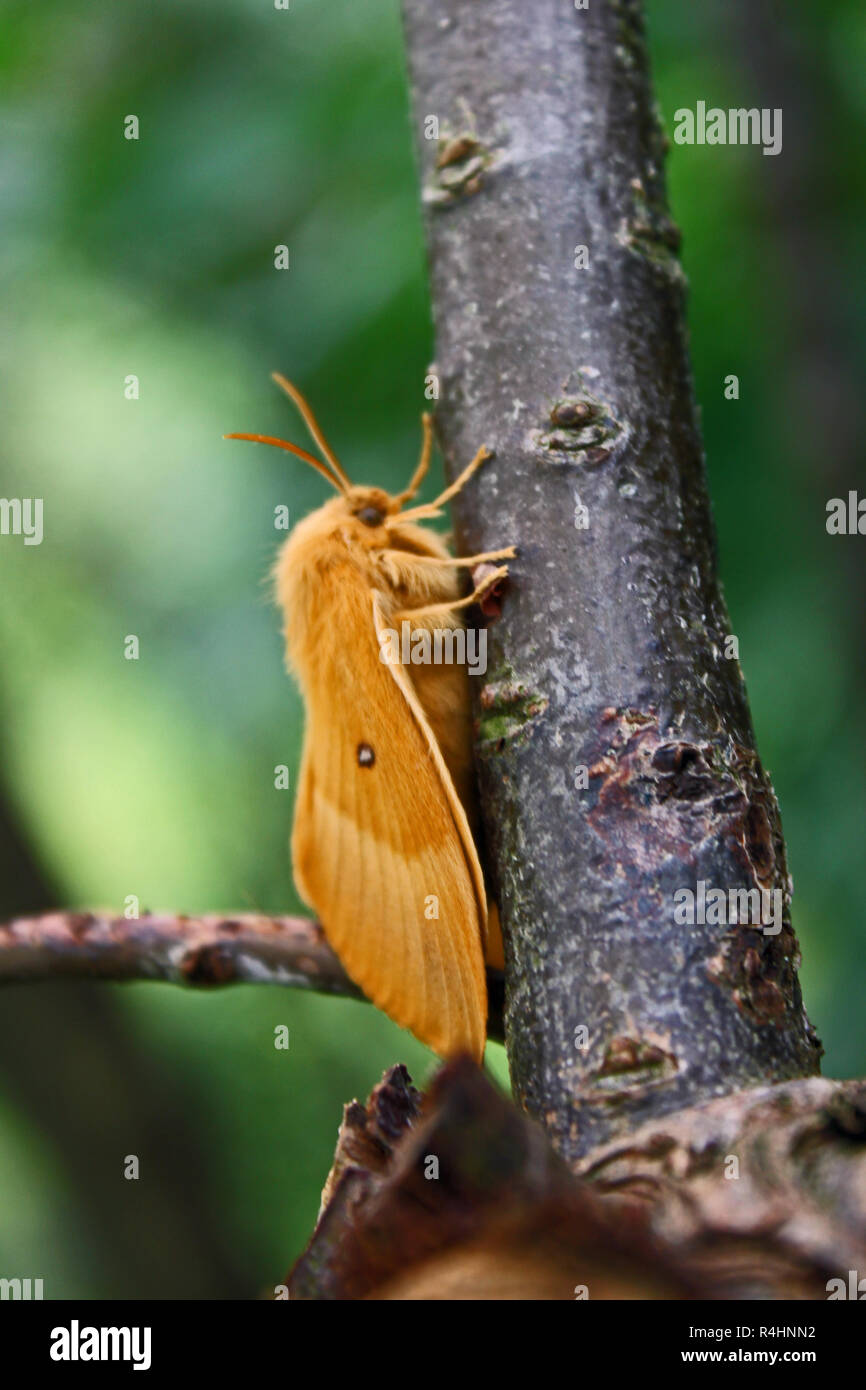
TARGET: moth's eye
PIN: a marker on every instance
(371, 516)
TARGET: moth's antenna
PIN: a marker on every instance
(312, 425)
(293, 449)
(423, 463)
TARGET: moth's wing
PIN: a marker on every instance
(381, 846)
(303, 824)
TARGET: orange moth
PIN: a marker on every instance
(384, 837)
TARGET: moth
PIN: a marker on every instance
(386, 818)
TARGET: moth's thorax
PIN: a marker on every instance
(357, 537)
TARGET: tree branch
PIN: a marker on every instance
(207, 950)
(214, 949)
(617, 757)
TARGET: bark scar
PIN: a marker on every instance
(659, 800)
(508, 710)
(462, 162)
(584, 429)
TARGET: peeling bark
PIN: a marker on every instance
(458, 1195)
(455, 1194)
(763, 1192)
(608, 665)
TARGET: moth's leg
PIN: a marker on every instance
(435, 609)
(507, 554)
(423, 463)
(432, 508)
(459, 483)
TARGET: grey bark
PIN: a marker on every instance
(609, 655)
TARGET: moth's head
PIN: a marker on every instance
(360, 515)
(366, 514)
(371, 507)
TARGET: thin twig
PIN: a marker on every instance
(207, 950)
(214, 949)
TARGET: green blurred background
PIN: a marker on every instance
(260, 127)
